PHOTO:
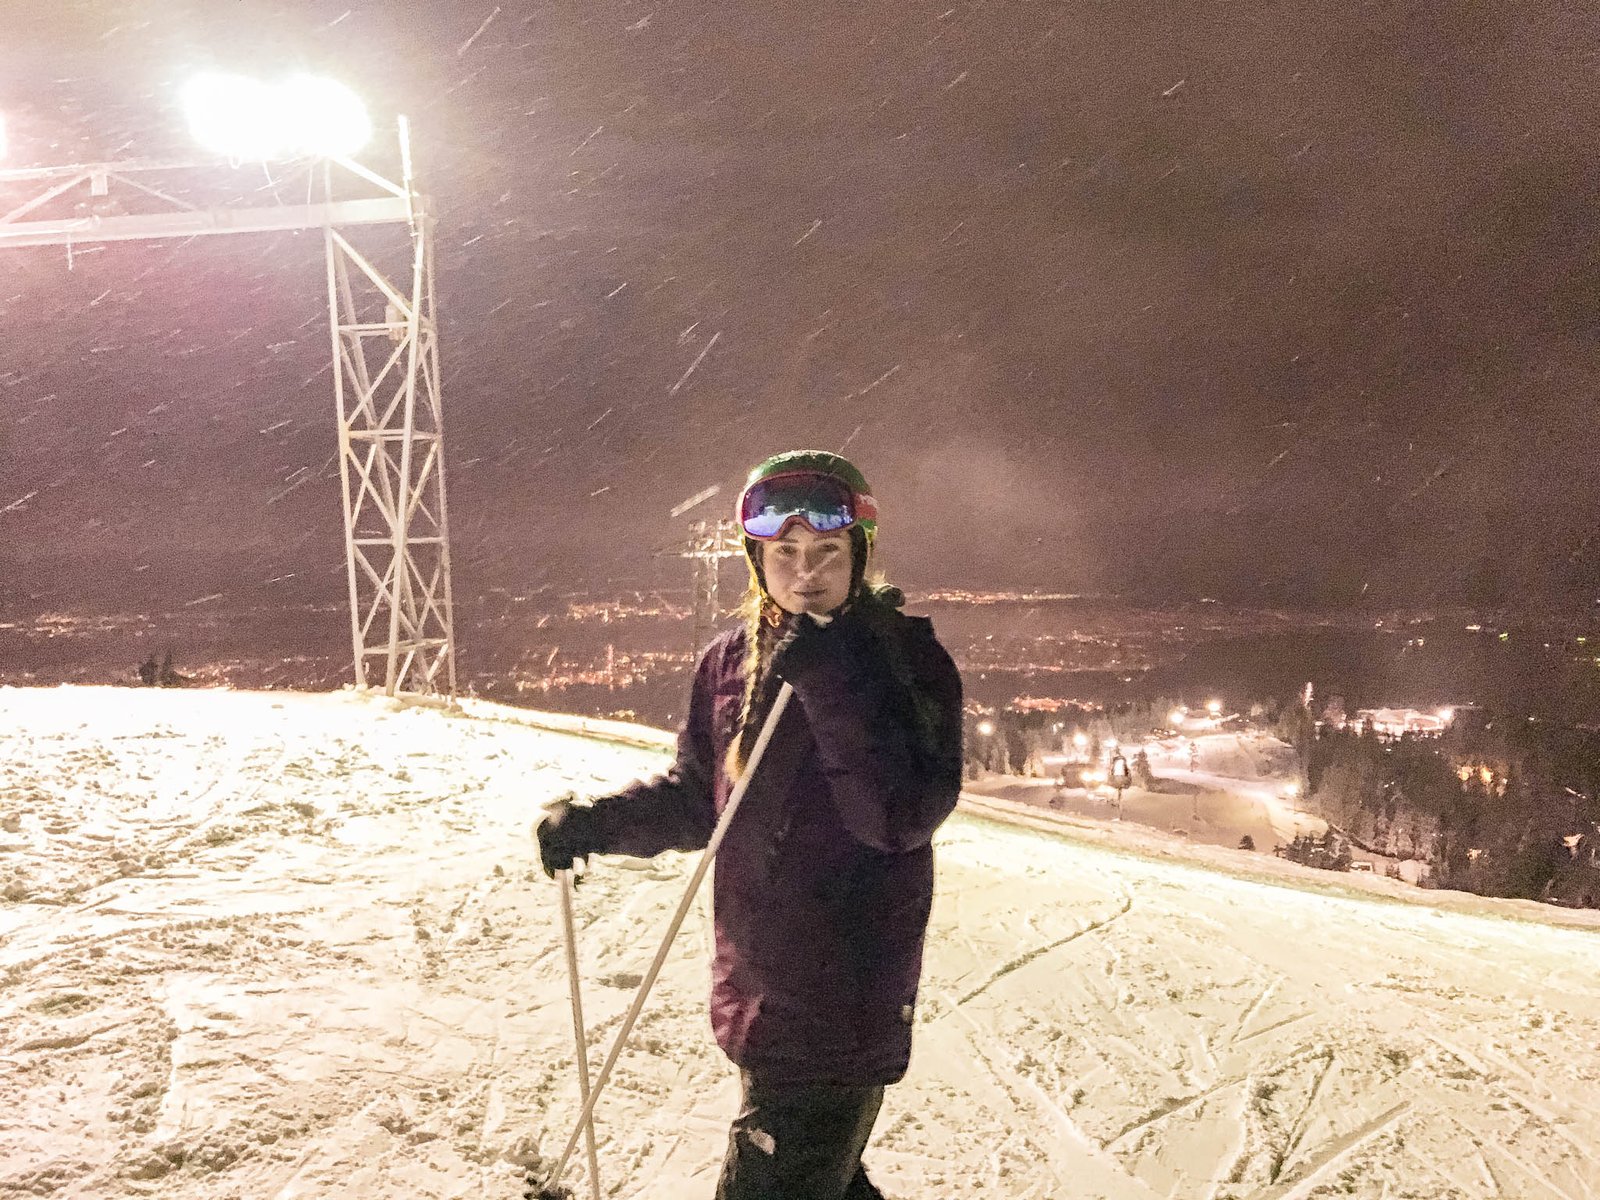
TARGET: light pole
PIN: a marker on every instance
(985, 730)
(384, 335)
(1120, 777)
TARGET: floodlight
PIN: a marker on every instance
(250, 121)
(324, 118)
(234, 116)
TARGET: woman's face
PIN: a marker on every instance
(808, 572)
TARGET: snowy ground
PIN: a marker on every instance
(277, 946)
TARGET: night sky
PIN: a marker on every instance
(1287, 302)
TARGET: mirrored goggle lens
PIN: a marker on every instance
(822, 502)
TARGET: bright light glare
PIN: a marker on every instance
(233, 116)
(1445, 714)
(1176, 717)
(1291, 789)
(250, 121)
(1214, 707)
(985, 727)
(329, 119)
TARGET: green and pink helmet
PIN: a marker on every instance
(821, 490)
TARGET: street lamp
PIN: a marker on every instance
(247, 120)
(1291, 792)
(1121, 777)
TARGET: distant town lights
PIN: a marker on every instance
(251, 121)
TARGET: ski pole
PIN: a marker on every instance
(784, 693)
(577, 1026)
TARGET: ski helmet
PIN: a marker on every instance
(850, 504)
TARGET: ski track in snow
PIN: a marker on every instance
(281, 946)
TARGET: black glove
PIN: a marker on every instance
(802, 642)
(566, 833)
(806, 642)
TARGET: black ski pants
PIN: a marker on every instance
(800, 1143)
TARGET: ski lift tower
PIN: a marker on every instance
(709, 543)
(383, 329)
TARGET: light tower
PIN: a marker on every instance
(383, 328)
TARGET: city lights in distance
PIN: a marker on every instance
(248, 120)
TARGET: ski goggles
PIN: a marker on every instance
(823, 503)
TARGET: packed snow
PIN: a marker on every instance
(277, 946)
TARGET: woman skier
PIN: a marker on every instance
(825, 878)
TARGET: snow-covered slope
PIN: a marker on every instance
(274, 946)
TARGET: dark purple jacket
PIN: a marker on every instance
(823, 884)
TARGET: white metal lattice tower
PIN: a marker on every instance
(385, 362)
(709, 543)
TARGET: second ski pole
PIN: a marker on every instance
(549, 1187)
